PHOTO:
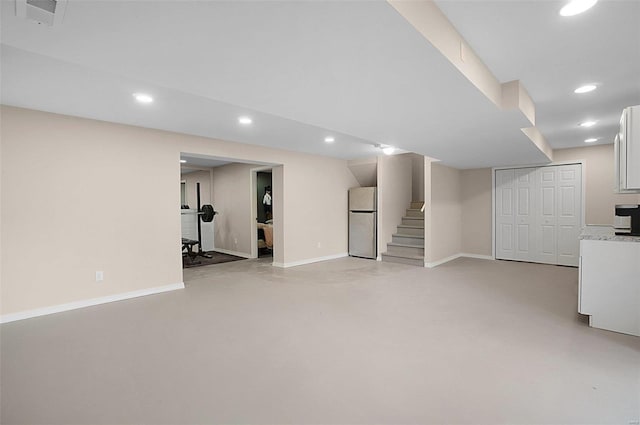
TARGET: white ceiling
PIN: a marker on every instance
(302, 70)
(553, 55)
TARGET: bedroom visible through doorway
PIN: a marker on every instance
(264, 212)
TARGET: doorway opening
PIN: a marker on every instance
(229, 186)
(264, 211)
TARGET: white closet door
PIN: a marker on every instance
(569, 214)
(505, 214)
(539, 214)
(525, 206)
(546, 223)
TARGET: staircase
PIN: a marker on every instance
(407, 244)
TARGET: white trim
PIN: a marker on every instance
(27, 314)
(478, 256)
(455, 257)
(547, 164)
(444, 260)
(493, 212)
(230, 252)
(310, 260)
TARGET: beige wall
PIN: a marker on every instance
(600, 200)
(394, 195)
(87, 175)
(233, 199)
(202, 177)
(417, 179)
(365, 170)
(476, 211)
(445, 213)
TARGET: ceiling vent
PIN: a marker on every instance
(46, 12)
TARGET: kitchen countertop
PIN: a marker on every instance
(605, 233)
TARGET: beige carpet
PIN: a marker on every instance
(348, 341)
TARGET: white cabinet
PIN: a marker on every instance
(627, 152)
(538, 214)
(609, 290)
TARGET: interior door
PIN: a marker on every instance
(505, 214)
(569, 217)
(546, 223)
(525, 214)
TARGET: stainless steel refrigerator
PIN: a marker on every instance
(362, 222)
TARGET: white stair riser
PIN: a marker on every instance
(415, 213)
(411, 221)
(410, 231)
(405, 250)
(401, 260)
(408, 240)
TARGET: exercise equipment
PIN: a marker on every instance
(204, 213)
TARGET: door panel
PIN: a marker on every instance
(546, 220)
(505, 214)
(507, 202)
(525, 242)
(507, 236)
(570, 214)
(548, 201)
(548, 241)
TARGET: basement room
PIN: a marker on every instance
(319, 212)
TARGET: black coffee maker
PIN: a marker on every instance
(633, 212)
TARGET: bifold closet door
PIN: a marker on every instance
(538, 214)
(569, 214)
(505, 214)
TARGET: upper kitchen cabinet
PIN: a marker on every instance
(627, 152)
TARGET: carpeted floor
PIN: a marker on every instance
(216, 258)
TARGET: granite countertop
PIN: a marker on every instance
(605, 233)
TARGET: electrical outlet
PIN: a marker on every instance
(235, 241)
(99, 276)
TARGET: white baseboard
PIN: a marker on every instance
(236, 253)
(479, 256)
(310, 260)
(456, 256)
(442, 261)
(27, 314)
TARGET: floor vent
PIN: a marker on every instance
(44, 12)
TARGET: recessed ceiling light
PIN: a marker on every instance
(329, 139)
(182, 161)
(245, 120)
(591, 140)
(388, 150)
(575, 7)
(585, 89)
(587, 124)
(143, 98)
